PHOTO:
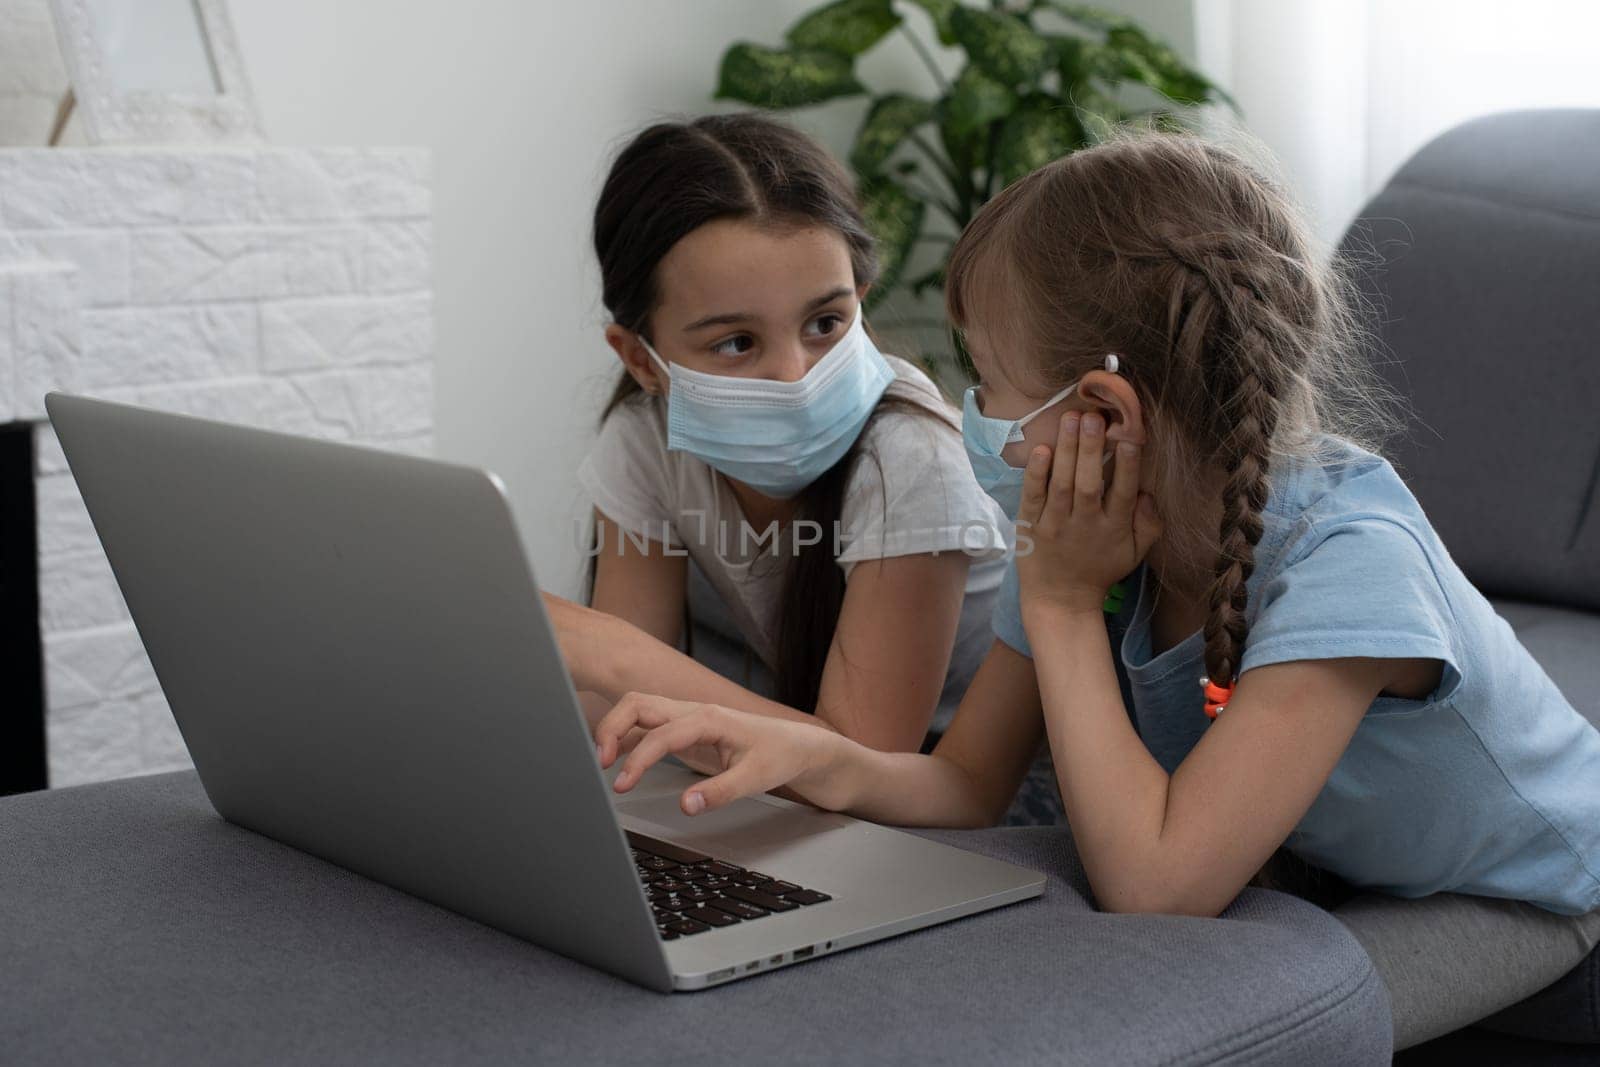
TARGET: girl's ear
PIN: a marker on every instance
(635, 360)
(862, 291)
(1116, 401)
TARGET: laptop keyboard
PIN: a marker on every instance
(691, 893)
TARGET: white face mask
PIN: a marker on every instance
(1015, 435)
(985, 438)
(777, 437)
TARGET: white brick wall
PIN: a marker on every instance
(45, 344)
(283, 288)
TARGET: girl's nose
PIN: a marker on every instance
(791, 365)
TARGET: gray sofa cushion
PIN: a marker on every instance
(1567, 645)
(1479, 256)
(1489, 239)
(140, 927)
(1568, 1010)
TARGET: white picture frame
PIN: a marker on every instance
(113, 113)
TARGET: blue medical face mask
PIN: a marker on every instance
(986, 438)
(777, 437)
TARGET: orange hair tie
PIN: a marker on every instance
(1217, 696)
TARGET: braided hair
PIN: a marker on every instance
(1239, 339)
(1241, 344)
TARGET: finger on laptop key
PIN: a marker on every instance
(673, 736)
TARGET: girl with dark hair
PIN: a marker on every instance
(761, 462)
(1301, 688)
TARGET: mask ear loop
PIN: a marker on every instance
(1112, 362)
(665, 369)
(1016, 428)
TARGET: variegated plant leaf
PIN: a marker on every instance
(848, 27)
(895, 218)
(1041, 129)
(1001, 45)
(784, 78)
(886, 126)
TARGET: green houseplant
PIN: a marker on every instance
(1041, 79)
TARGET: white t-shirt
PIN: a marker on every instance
(910, 491)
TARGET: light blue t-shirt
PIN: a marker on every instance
(1489, 786)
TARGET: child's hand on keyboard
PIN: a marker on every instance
(755, 753)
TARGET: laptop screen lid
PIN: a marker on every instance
(356, 652)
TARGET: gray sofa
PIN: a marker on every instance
(137, 926)
(1480, 264)
(1483, 268)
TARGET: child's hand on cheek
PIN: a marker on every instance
(1075, 538)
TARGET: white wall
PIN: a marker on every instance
(1439, 62)
(523, 101)
(1344, 91)
(522, 104)
(1299, 73)
(280, 288)
(32, 74)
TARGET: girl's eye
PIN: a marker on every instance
(736, 345)
(826, 324)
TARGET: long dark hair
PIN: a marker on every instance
(667, 182)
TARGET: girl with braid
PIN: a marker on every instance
(1298, 688)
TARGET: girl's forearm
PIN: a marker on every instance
(898, 788)
(630, 660)
(1114, 792)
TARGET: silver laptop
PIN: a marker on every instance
(360, 663)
